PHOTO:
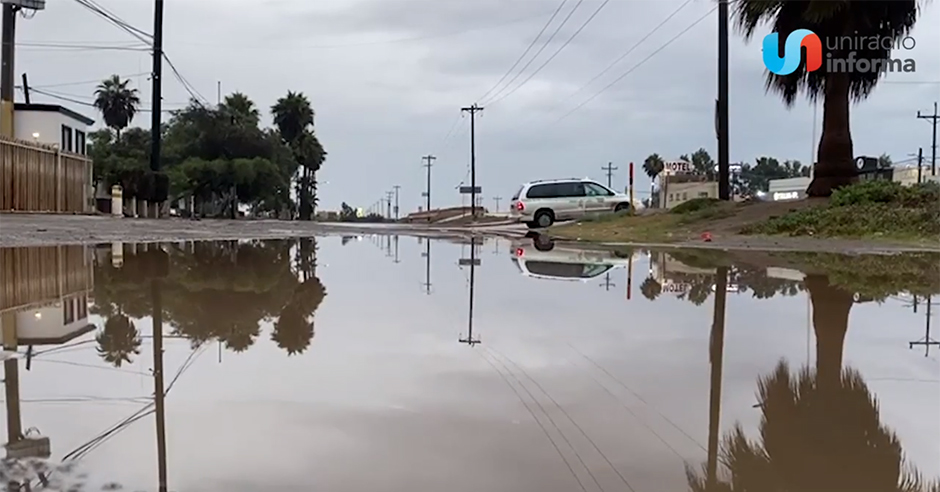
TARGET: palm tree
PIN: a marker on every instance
(117, 102)
(650, 288)
(653, 165)
(814, 438)
(119, 341)
(293, 116)
(241, 110)
(871, 19)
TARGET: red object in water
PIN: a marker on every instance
(707, 237)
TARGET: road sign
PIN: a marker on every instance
(424, 194)
(468, 262)
(469, 190)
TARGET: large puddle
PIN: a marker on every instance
(405, 364)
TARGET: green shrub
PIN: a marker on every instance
(860, 220)
(889, 192)
(694, 205)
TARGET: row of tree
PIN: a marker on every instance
(209, 291)
(219, 156)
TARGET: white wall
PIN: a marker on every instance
(49, 321)
(47, 124)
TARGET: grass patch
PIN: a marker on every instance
(870, 209)
(695, 205)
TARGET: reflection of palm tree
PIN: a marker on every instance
(650, 288)
(119, 341)
(814, 437)
(831, 306)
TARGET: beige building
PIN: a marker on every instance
(680, 189)
(908, 175)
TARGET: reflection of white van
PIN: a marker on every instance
(542, 259)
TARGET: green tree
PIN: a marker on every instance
(650, 288)
(119, 341)
(653, 165)
(294, 117)
(757, 177)
(860, 19)
(117, 102)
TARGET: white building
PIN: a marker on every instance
(52, 125)
(788, 188)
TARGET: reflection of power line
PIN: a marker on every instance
(926, 341)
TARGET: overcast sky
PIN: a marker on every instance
(387, 79)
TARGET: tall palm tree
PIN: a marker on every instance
(650, 288)
(119, 341)
(117, 102)
(294, 116)
(653, 165)
(241, 110)
(883, 19)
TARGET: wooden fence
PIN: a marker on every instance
(43, 274)
(40, 178)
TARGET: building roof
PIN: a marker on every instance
(54, 108)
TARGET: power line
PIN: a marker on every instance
(196, 96)
(540, 50)
(633, 68)
(83, 47)
(560, 48)
(631, 50)
(72, 99)
(113, 19)
(83, 82)
(524, 53)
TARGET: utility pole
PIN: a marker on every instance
(920, 162)
(6, 71)
(721, 119)
(933, 155)
(610, 168)
(473, 110)
(497, 199)
(396, 187)
(157, 90)
(388, 203)
(427, 194)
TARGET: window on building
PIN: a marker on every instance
(80, 142)
(685, 195)
(670, 197)
(82, 307)
(66, 144)
(68, 311)
(703, 194)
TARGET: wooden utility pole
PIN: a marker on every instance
(933, 154)
(920, 163)
(497, 199)
(473, 110)
(715, 358)
(396, 187)
(427, 194)
(721, 118)
(610, 168)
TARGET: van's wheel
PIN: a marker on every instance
(622, 207)
(543, 243)
(544, 218)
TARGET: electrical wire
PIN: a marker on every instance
(82, 47)
(631, 50)
(638, 65)
(72, 98)
(193, 93)
(540, 50)
(524, 53)
(84, 82)
(113, 19)
(550, 58)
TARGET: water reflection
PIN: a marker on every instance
(393, 375)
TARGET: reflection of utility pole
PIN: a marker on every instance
(427, 268)
(716, 354)
(396, 250)
(926, 341)
(388, 246)
(158, 389)
(473, 262)
(630, 276)
(427, 194)
(607, 283)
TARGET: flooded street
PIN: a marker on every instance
(405, 364)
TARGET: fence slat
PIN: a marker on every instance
(38, 178)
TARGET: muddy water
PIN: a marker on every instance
(398, 364)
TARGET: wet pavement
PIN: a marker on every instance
(399, 363)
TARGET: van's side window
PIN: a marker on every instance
(540, 191)
(596, 190)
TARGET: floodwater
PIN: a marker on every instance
(407, 364)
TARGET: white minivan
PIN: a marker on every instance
(542, 203)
